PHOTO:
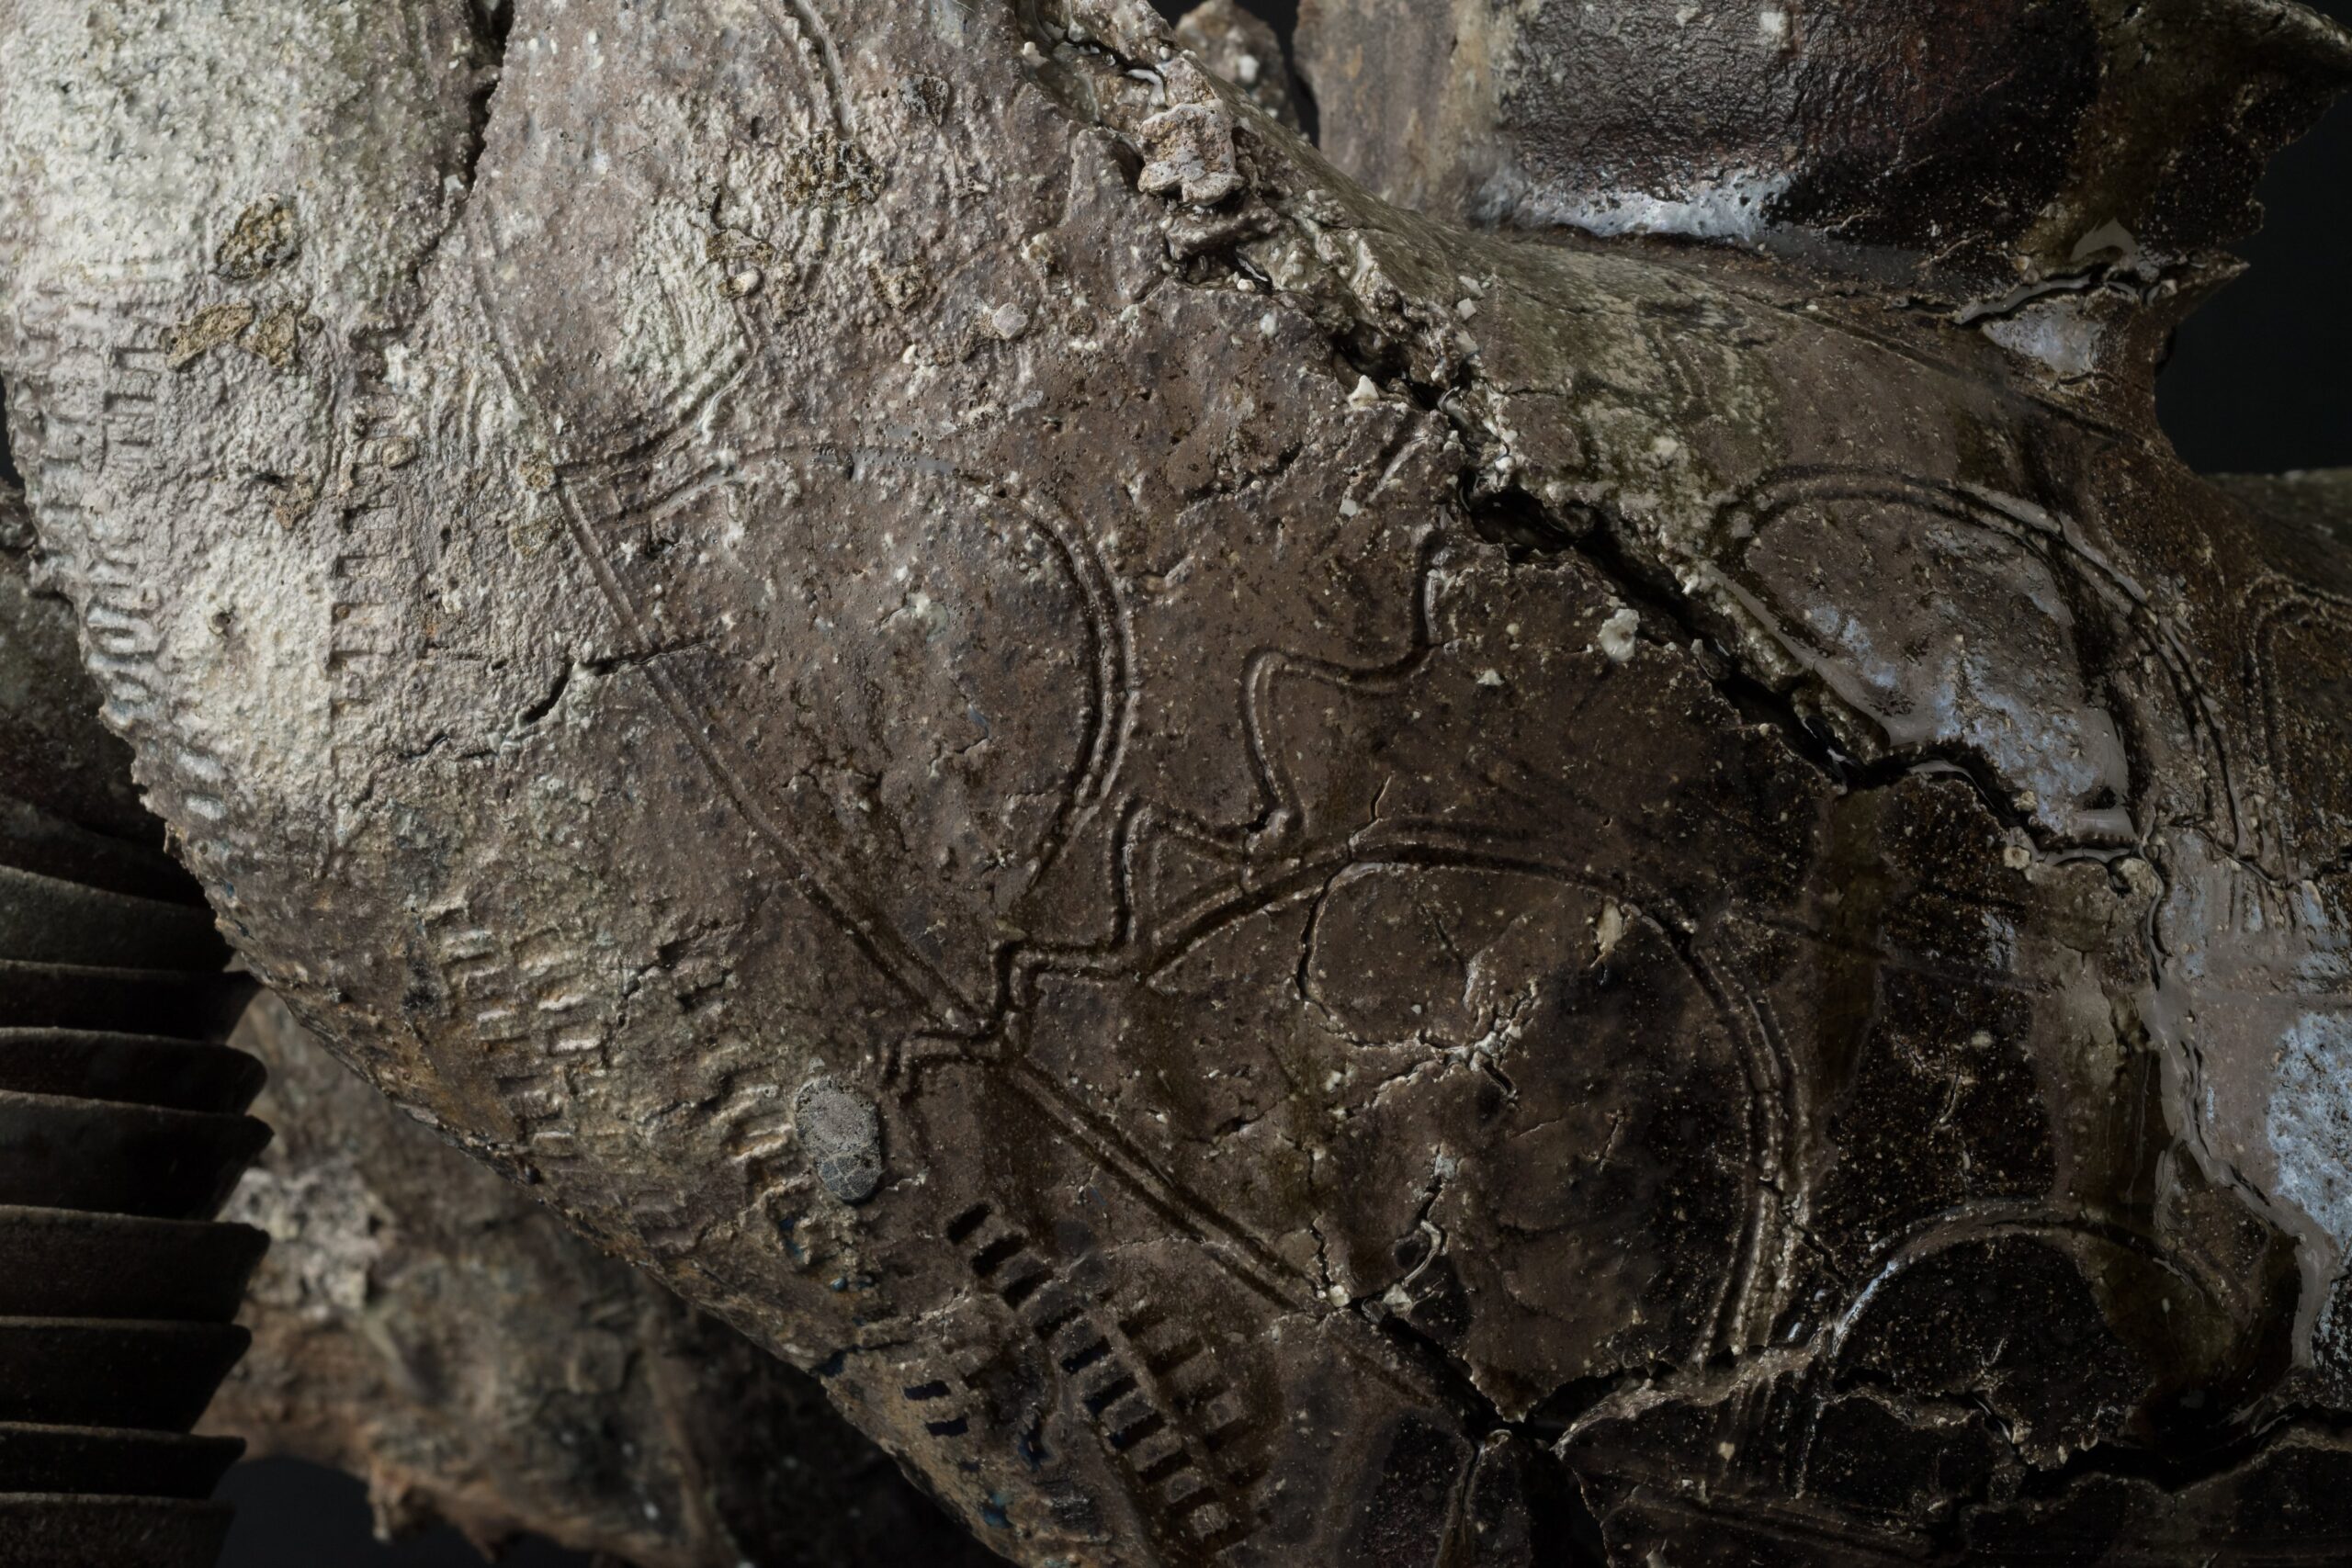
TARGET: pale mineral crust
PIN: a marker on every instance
(1288, 883)
(427, 1326)
(1239, 48)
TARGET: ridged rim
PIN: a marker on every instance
(98, 1372)
(183, 1004)
(123, 1132)
(70, 1263)
(44, 920)
(52, 1532)
(63, 1153)
(38, 841)
(112, 1461)
(130, 1069)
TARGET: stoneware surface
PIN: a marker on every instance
(1289, 883)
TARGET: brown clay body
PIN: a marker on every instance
(422, 1323)
(1287, 882)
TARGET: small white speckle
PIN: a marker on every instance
(1490, 677)
(1617, 636)
(1610, 928)
(1008, 321)
(1245, 69)
(1267, 324)
(1465, 309)
(1772, 25)
(1366, 394)
(1348, 507)
(2016, 857)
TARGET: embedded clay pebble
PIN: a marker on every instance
(45, 919)
(96, 1372)
(113, 1461)
(185, 1006)
(109, 1533)
(843, 1135)
(129, 1069)
(121, 1159)
(65, 1263)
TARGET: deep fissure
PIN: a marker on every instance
(10, 475)
(493, 27)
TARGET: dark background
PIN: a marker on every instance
(2259, 381)
(300, 1516)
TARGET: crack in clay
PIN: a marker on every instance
(2172, 1474)
(1527, 526)
(1502, 512)
(11, 477)
(493, 23)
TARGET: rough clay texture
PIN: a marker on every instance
(1974, 153)
(1495, 901)
(54, 760)
(1239, 49)
(427, 1326)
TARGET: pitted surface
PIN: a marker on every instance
(1482, 890)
